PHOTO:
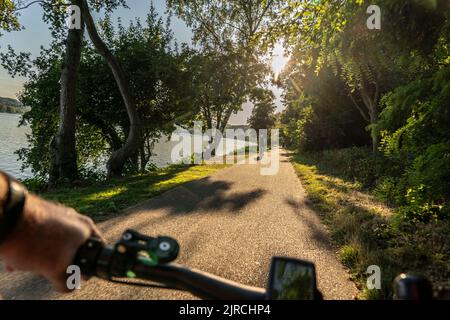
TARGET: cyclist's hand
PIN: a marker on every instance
(46, 240)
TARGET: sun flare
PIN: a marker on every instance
(279, 59)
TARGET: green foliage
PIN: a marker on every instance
(226, 24)
(263, 113)
(368, 232)
(415, 131)
(419, 192)
(349, 256)
(293, 130)
(41, 95)
(319, 114)
(330, 37)
(161, 82)
(428, 183)
(222, 83)
(8, 15)
(233, 62)
(343, 76)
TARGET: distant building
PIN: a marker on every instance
(238, 126)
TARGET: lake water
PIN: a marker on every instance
(13, 138)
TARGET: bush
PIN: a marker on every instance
(35, 184)
(429, 184)
(387, 190)
(419, 192)
(349, 256)
(357, 164)
(414, 125)
(400, 240)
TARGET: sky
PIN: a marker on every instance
(36, 33)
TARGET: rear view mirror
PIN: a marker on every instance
(291, 279)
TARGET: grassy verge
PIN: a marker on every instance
(103, 199)
(369, 232)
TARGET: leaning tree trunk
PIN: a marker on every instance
(62, 147)
(118, 158)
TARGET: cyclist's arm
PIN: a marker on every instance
(46, 238)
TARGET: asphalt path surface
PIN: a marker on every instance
(229, 224)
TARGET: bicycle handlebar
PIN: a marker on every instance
(199, 283)
(125, 260)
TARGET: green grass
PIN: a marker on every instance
(105, 198)
(368, 232)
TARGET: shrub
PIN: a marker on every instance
(349, 256)
(402, 240)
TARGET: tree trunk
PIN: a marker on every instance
(373, 131)
(371, 104)
(143, 159)
(62, 147)
(118, 158)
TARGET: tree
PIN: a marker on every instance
(368, 61)
(263, 113)
(319, 113)
(8, 16)
(228, 33)
(118, 158)
(226, 24)
(62, 147)
(162, 85)
(160, 78)
(221, 86)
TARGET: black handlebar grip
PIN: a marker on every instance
(412, 287)
(87, 256)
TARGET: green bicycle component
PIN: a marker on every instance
(151, 260)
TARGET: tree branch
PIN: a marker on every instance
(269, 4)
(41, 1)
(361, 111)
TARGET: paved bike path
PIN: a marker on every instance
(229, 224)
